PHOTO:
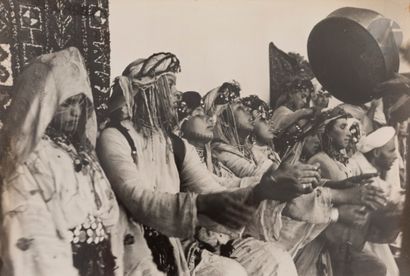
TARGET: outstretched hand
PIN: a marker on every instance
(367, 195)
(287, 182)
(225, 208)
(351, 181)
(372, 197)
(397, 85)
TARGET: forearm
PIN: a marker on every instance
(314, 208)
(247, 196)
(234, 183)
(344, 196)
(371, 112)
(294, 117)
(173, 215)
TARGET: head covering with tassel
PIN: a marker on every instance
(146, 86)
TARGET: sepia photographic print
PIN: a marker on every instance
(204, 137)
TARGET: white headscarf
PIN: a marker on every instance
(40, 89)
(376, 139)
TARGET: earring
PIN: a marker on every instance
(252, 138)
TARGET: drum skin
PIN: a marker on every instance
(352, 50)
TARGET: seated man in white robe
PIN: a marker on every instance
(146, 165)
(377, 153)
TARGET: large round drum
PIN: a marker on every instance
(353, 50)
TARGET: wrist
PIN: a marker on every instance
(200, 204)
(338, 196)
(334, 215)
(308, 111)
(256, 195)
(345, 196)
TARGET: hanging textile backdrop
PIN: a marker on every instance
(31, 28)
(284, 68)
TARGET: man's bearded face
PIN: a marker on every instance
(175, 95)
(299, 99)
(386, 155)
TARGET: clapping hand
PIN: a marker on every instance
(225, 208)
(287, 182)
(351, 181)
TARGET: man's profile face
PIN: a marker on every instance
(386, 155)
(175, 95)
(299, 98)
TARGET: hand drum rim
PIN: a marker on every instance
(346, 54)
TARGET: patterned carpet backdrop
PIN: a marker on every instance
(29, 28)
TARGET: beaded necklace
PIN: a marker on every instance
(82, 161)
(202, 154)
(246, 152)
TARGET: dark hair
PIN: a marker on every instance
(298, 85)
(228, 92)
(117, 92)
(369, 155)
(173, 66)
(294, 87)
(327, 144)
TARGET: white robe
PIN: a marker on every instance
(41, 201)
(149, 188)
(361, 165)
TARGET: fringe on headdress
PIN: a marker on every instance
(152, 110)
(151, 91)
